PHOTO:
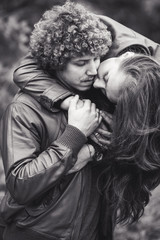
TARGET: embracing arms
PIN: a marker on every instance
(38, 150)
(45, 88)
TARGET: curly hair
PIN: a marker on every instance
(135, 163)
(65, 32)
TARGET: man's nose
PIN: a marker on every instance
(92, 68)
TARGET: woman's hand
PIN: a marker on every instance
(86, 118)
(66, 103)
(102, 135)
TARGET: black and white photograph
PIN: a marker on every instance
(79, 120)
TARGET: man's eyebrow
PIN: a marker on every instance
(77, 60)
(82, 60)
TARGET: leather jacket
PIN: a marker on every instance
(38, 150)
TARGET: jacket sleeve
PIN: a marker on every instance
(124, 37)
(40, 85)
(31, 170)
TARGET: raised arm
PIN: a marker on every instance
(125, 38)
(40, 85)
(45, 88)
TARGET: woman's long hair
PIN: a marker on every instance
(135, 149)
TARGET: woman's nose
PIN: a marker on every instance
(98, 83)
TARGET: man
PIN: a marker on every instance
(46, 197)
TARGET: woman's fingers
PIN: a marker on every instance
(104, 132)
(74, 102)
(107, 118)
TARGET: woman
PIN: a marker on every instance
(132, 82)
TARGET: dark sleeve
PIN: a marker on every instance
(40, 85)
(125, 38)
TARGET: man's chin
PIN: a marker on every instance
(84, 88)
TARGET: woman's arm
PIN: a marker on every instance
(124, 38)
(32, 80)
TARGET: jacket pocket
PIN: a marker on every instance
(44, 202)
(55, 215)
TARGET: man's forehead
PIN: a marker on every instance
(86, 57)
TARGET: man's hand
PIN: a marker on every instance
(85, 118)
(85, 155)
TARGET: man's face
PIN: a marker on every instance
(79, 72)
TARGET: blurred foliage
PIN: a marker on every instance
(17, 18)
